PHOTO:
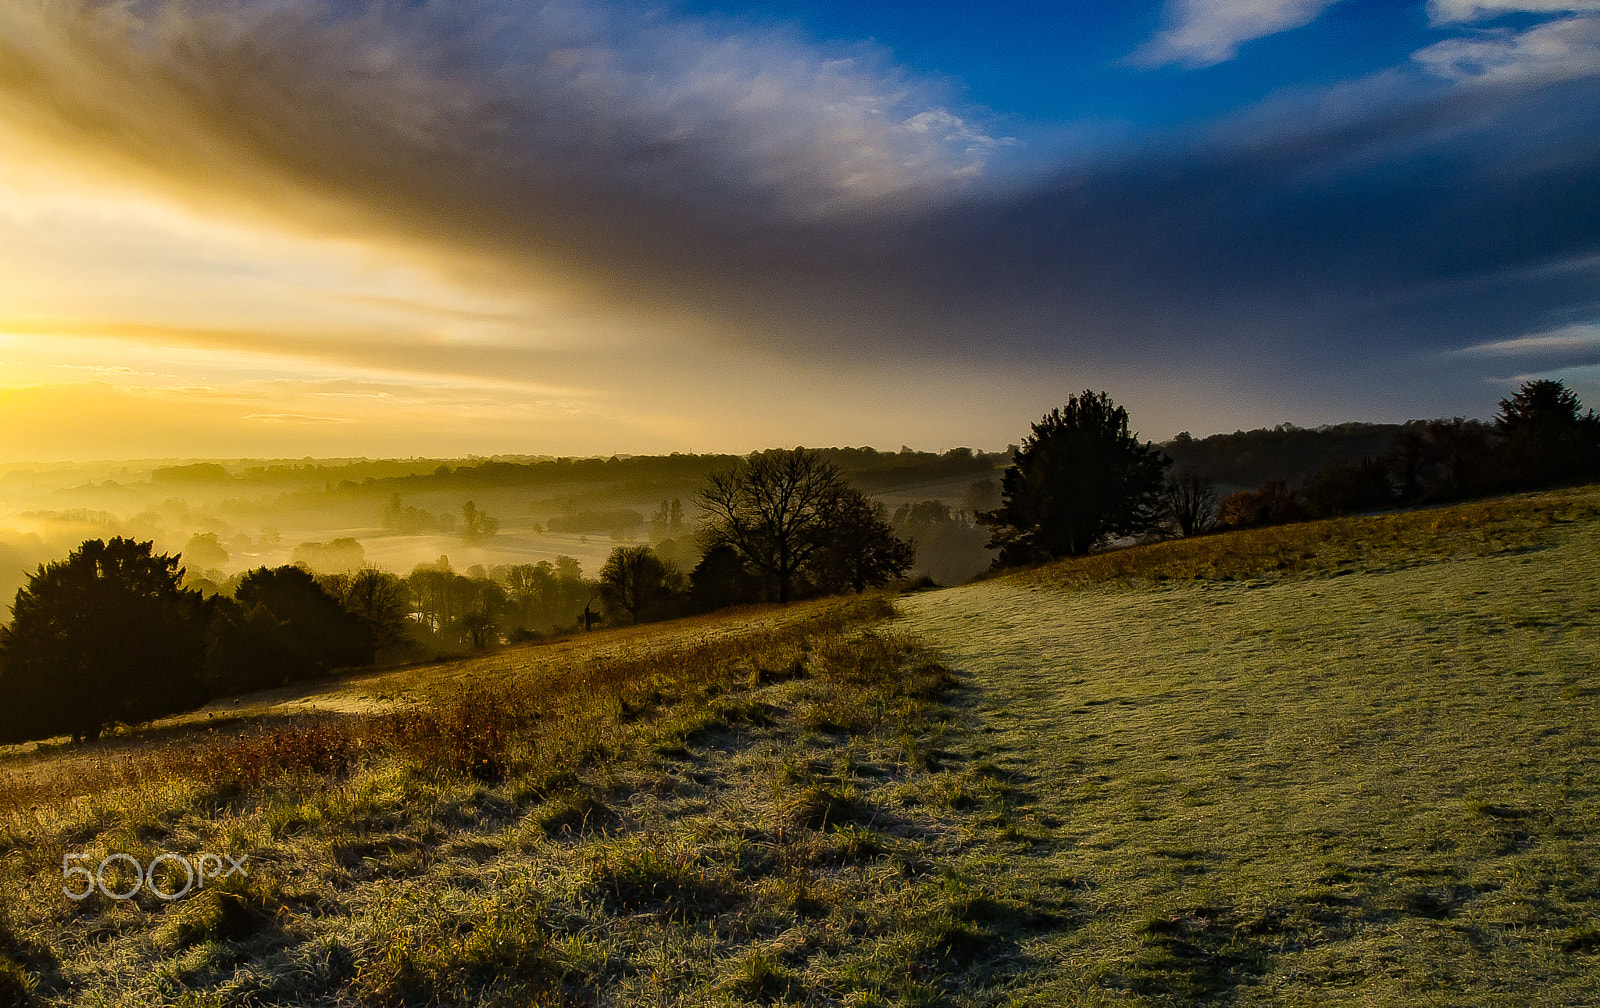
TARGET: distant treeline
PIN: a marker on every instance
(1541, 436)
(1284, 453)
(865, 466)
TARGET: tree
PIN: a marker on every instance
(633, 581)
(1547, 437)
(772, 508)
(205, 551)
(1271, 503)
(722, 579)
(477, 527)
(1348, 487)
(1191, 502)
(951, 547)
(1080, 479)
(1456, 452)
(379, 599)
(104, 636)
(860, 548)
(315, 629)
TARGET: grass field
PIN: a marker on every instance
(1369, 781)
(1338, 763)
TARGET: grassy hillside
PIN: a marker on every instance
(1343, 762)
(1350, 762)
(731, 811)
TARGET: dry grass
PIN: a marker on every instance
(1334, 546)
(634, 826)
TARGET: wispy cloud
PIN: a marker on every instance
(563, 221)
(1582, 336)
(1457, 11)
(1200, 33)
(1563, 49)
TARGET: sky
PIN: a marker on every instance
(280, 228)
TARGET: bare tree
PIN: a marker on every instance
(1191, 502)
(773, 509)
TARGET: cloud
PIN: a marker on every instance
(1457, 11)
(1580, 336)
(1200, 33)
(1557, 50)
(533, 104)
(699, 235)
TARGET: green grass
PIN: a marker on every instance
(1375, 784)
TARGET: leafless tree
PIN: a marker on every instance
(773, 509)
(1191, 502)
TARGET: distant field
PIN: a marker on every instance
(1369, 776)
(1346, 762)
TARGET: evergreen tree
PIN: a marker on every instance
(104, 636)
(1080, 479)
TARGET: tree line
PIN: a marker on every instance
(1540, 436)
(1081, 480)
(111, 635)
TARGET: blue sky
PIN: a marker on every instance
(419, 226)
(1058, 63)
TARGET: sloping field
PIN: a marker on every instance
(1375, 782)
(1335, 763)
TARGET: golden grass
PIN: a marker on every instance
(1335, 545)
(729, 817)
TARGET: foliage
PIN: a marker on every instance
(342, 554)
(1547, 436)
(621, 521)
(1269, 504)
(950, 546)
(476, 527)
(667, 522)
(633, 582)
(722, 578)
(543, 596)
(379, 599)
(1348, 488)
(411, 520)
(205, 552)
(1285, 453)
(1078, 480)
(314, 629)
(104, 636)
(860, 548)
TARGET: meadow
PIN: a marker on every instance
(1347, 762)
